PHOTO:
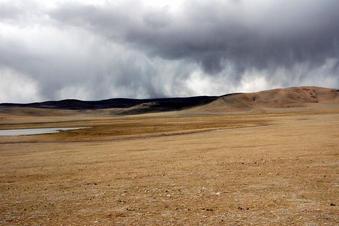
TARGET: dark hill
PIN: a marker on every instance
(147, 105)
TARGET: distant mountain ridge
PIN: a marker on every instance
(275, 98)
(162, 104)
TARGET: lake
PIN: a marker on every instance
(23, 132)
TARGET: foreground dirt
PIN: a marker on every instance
(172, 169)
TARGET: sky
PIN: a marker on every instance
(99, 49)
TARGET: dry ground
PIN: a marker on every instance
(278, 168)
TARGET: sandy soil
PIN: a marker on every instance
(279, 168)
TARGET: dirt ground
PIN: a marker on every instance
(278, 168)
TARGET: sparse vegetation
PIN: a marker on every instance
(276, 166)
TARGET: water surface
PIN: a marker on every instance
(22, 132)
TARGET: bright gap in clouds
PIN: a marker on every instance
(155, 4)
(171, 4)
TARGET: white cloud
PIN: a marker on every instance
(16, 87)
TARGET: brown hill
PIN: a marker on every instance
(275, 98)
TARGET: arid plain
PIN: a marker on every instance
(267, 166)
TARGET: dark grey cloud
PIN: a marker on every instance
(215, 33)
(129, 49)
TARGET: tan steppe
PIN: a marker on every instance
(263, 166)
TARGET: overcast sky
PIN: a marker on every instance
(95, 49)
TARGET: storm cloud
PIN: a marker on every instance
(104, 49)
